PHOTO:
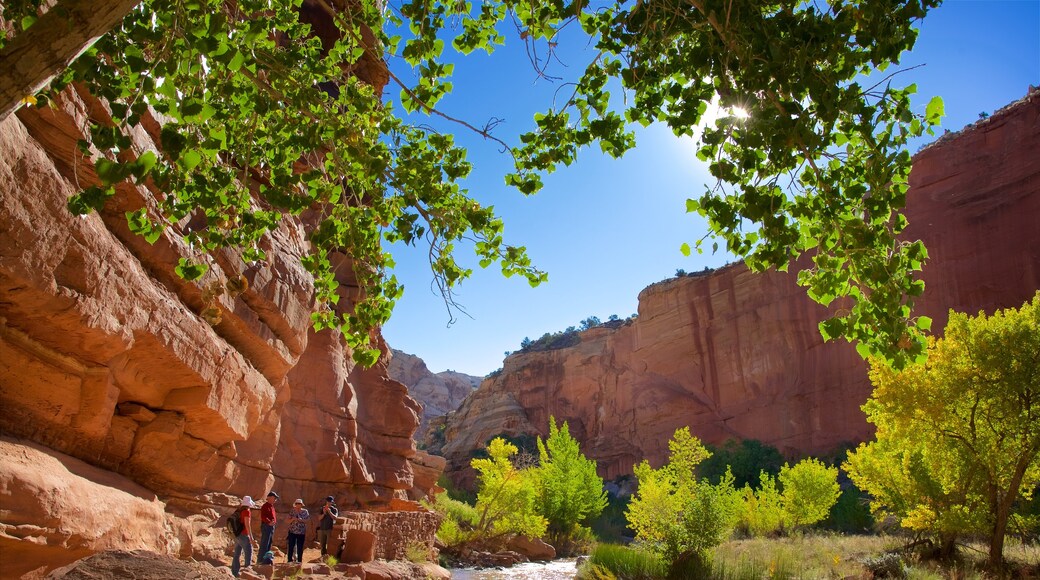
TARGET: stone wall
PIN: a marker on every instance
(386, 535)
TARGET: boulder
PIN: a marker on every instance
(359, 546)
(137, 564)
(532, 548)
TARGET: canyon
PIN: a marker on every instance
(139, 407)
(438, 393)
(737, 355)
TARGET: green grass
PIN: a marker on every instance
(811, 557)
(623, 563)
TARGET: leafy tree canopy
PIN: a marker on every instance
(571, 492)
(810, 489)
(958, 439)
(807, 156)
(506, 496)
(674, 513)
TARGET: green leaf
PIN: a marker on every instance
(111, 172)
(924, 323)
(863, 349)
(366, 357)
(190, 159)
(190, 271)
(935, 110)
(685, 249)
(143, 166)
(236, 61)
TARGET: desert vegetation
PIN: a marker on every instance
(946, 489)
(554, 498)
(570, 335)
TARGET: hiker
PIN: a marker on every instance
(328, 518)
(297, 529)
(267, 521)
(244, 540)
(267, 559)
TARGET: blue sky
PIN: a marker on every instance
(604, 229)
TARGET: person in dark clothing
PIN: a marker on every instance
(329, 513)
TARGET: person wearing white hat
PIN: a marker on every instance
(244, 540)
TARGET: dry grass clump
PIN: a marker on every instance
(844, 557)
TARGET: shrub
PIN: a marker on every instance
(416, 552)
(746, 459)
(625, 563)
(810, 489)
(851, 514)
(887, 565)
(458, 521)
(763, 512)
(676, 515)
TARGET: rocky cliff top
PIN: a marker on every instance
(735, 354)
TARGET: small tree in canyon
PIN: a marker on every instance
(676, 514)
(958, 439)
(807, 492)
(570, 491)
(506, 496)
(244, 106)
(506, 503)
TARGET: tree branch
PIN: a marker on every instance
(32, 59)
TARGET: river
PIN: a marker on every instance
(564, 569)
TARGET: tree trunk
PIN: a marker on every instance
(35, 56)
(996, 541)
(947, 548)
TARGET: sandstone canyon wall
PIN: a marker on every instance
(734, 354)
(168, 398)
(438, 393)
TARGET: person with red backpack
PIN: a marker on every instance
(239, 522)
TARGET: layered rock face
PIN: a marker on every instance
(734, 354)
(192, 393)
(438, 393)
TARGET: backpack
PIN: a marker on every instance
(234, 523)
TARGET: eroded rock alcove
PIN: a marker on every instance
(138, 407)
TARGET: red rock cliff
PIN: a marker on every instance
(173, 397)
(735, 354)
(438, 393)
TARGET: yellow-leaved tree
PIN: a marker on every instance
(958, 438)
(677, 515)
(505, 495)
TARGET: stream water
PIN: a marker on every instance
(556, 570)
